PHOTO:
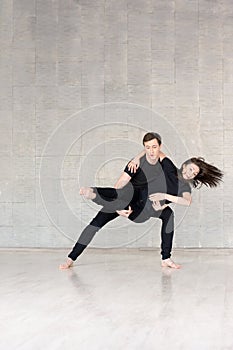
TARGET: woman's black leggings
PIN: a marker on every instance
(102, 218)
(112, 199)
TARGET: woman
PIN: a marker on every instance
(194, 171)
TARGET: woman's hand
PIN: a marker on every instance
(157, 206)
(125, 212)
(155, 197)
(133, 165)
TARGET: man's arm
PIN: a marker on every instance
(122, 181)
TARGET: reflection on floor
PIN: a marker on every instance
(116, 299)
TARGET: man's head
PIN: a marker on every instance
(151, 136)
(152, 144)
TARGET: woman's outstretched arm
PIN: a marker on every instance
(186, 198)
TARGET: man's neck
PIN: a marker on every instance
(151, 161)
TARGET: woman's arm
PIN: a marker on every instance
(186, 198)
(135, 162)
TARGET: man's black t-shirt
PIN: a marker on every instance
(149, 178)
(161, 177)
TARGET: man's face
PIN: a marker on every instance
(152, 149)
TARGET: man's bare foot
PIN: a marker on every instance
(87, 192)
(67, 265)
(169, 263)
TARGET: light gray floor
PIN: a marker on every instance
(116, 299)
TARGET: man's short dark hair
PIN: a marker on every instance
(151, 136)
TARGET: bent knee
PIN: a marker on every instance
(167, 213)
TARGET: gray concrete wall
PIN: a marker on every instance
(81, 82)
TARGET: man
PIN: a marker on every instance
(132, 191)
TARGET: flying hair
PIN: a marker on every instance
(209, 175)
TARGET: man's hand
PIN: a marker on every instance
(125, 212)
(157, 206)
(155, 197)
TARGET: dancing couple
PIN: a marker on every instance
(149, 183)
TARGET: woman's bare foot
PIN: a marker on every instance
(87, 192)
(67, 265)
(169, 263)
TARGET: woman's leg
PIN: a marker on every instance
(109, 198)
(87, 192)
(99, 195)
(87, 235)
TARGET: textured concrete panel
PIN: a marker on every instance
(59, 59)
(46, 74)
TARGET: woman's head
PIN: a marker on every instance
(197, 171)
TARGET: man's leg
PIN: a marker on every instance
(167, 233)
(167, 229)
(87, 235)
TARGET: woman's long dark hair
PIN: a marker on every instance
(208, 175)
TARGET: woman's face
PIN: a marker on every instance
(189, 171)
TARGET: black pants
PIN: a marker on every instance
(102, 218)
(112, 199)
